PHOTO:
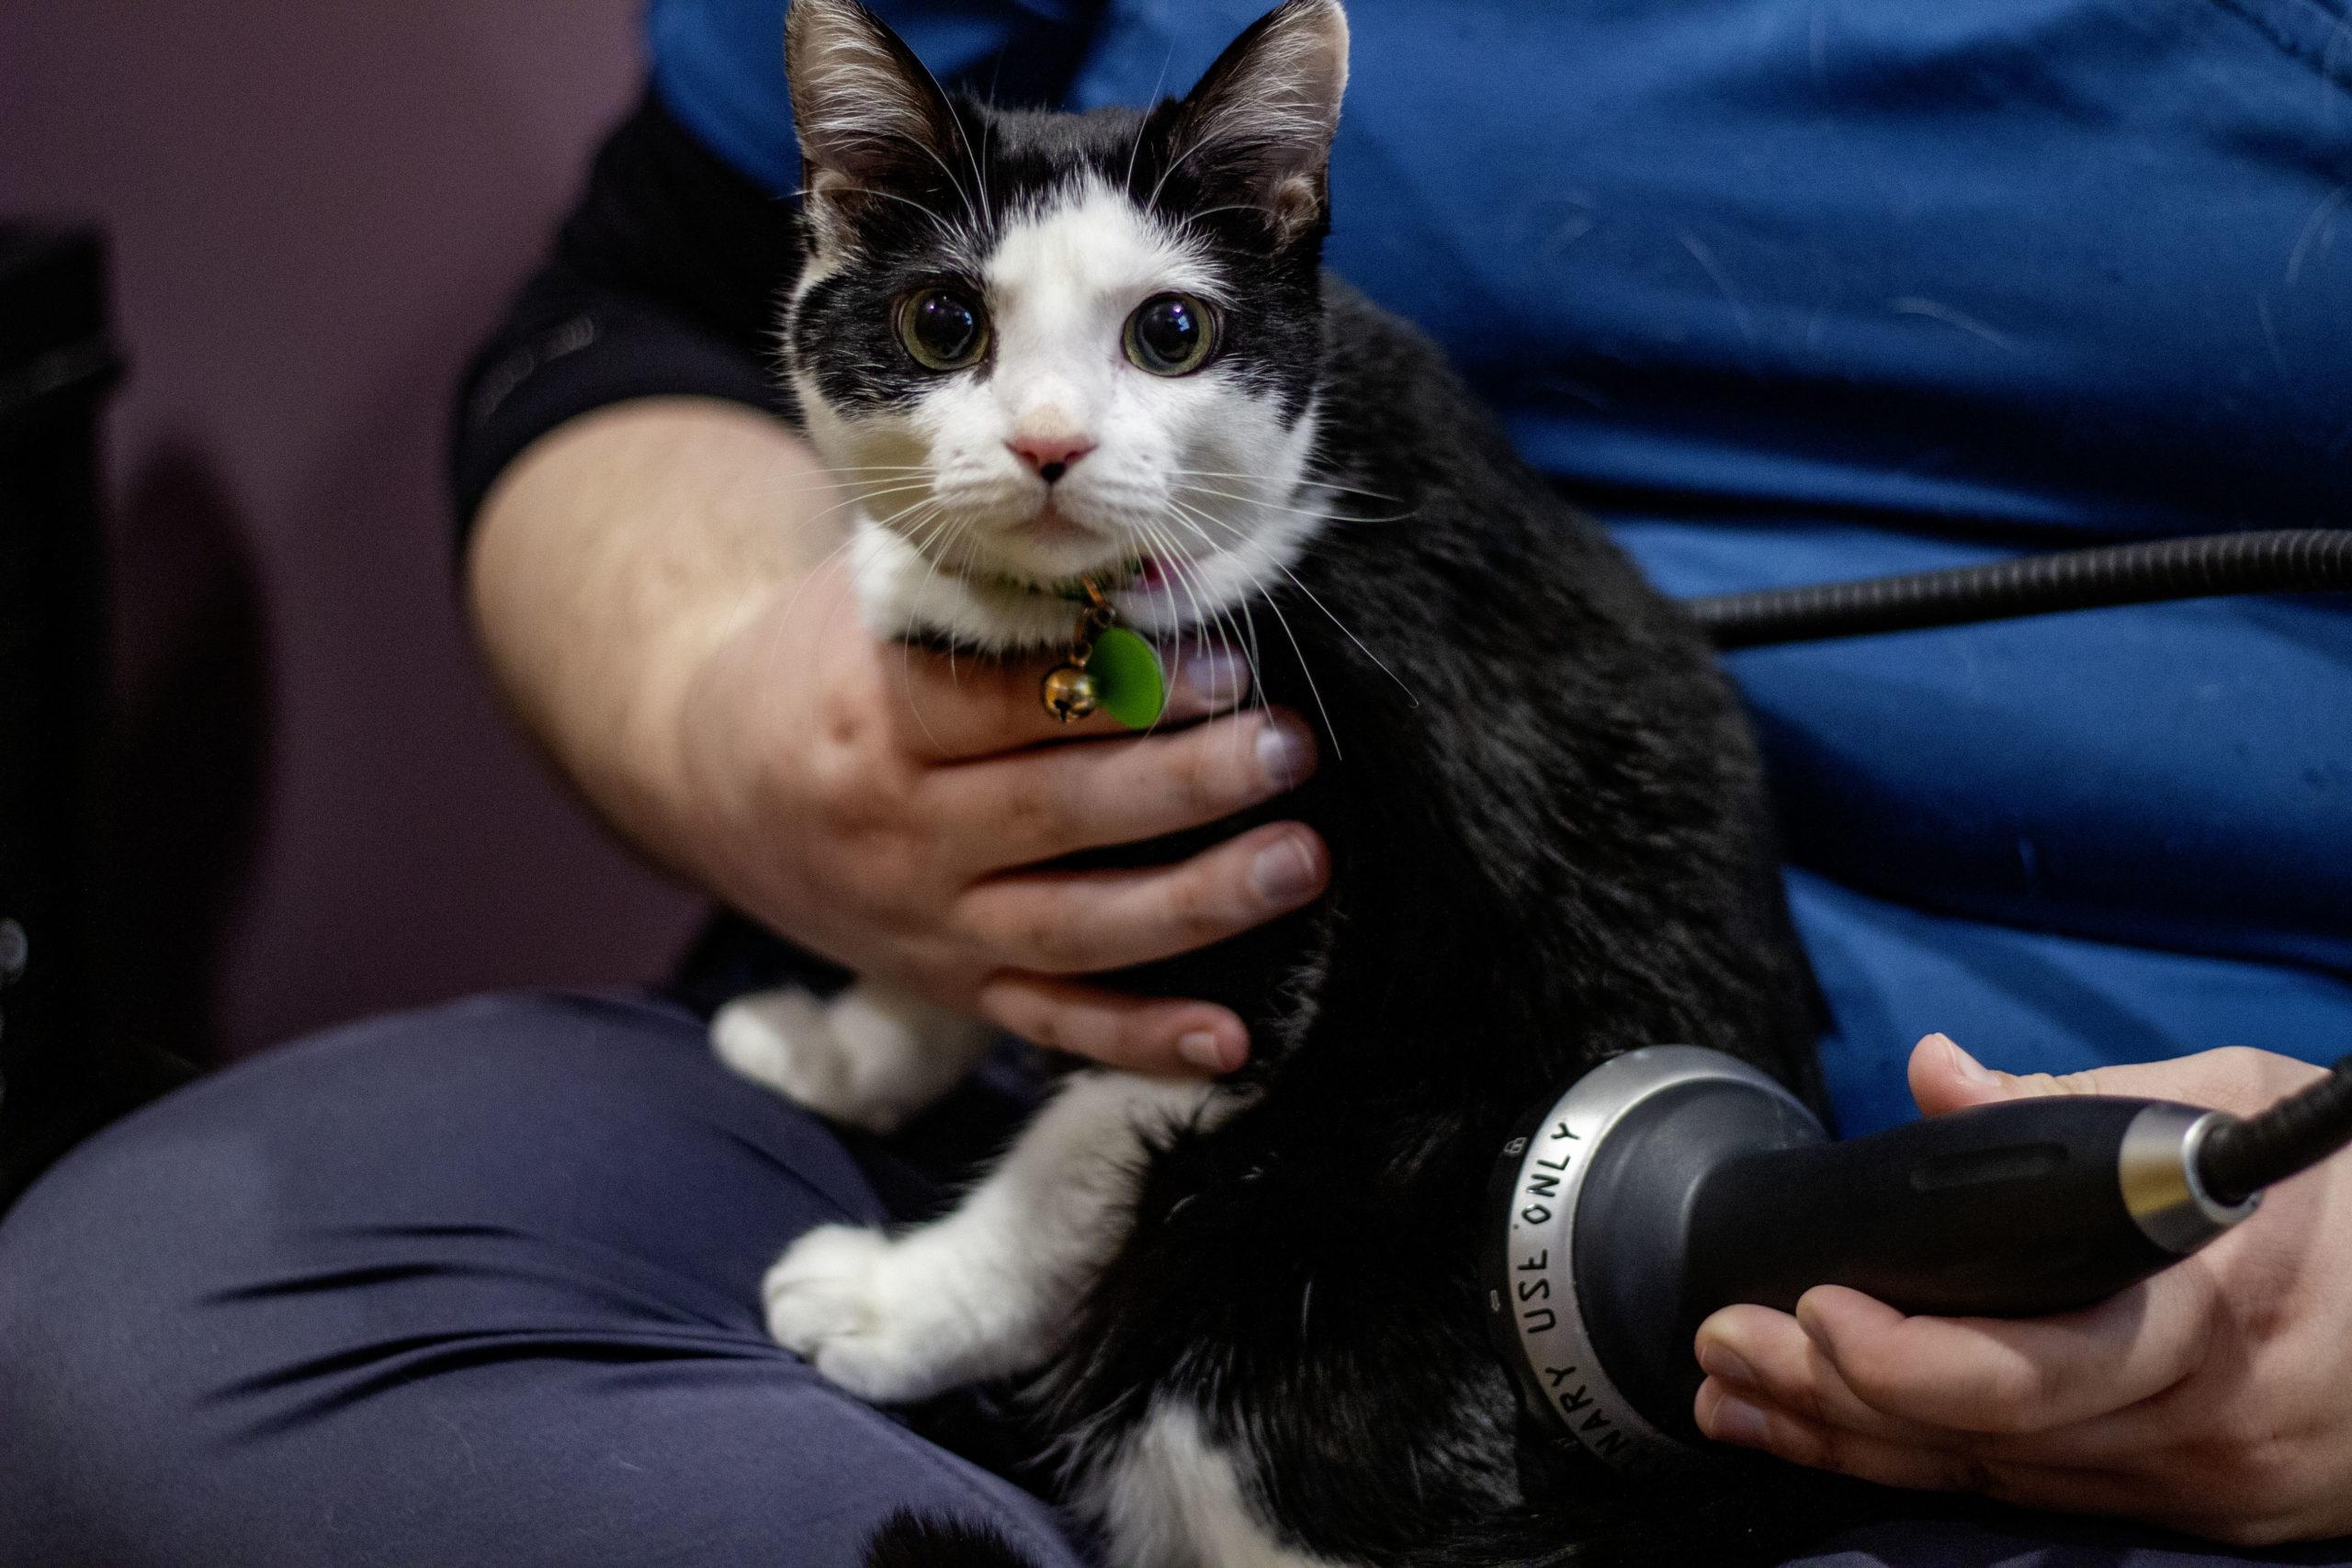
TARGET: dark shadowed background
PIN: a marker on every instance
(313, 807)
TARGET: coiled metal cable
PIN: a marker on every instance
(2276, 561)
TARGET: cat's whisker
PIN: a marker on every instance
(878, 485)
(972, 210)
(1187, 571)
(970, 559)
(769, 655)
(906, 684)
(910, 510)
(861, 468)
(857, 500)
(1151, 203)
(1307, 674)
(930, 542)
(1173, 561)
(817, 487)
(1225, 633)
(1157, 543)
(1345, 631)
(988, 128)
(778, 492)
(1255, 653)
(1295, 511)
(946, 528)
(932, 527)
(964, 138)
(1318, 484)
(884, 493)
(945, 226)
(1313, 689)
(912, 523)
(895, 485)
(1190, 219)
(1158, 85)
(784, 617)
(1230, 635)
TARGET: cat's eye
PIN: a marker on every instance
(1170, 334)
(944, 329)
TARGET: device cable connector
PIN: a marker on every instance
(2239, 1158)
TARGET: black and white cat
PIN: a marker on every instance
(1102, 340)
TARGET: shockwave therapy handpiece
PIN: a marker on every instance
(1674, 1180)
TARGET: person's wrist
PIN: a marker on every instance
(610, 567)
(673, 752)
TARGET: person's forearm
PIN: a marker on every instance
(610, 558)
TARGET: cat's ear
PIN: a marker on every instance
(1257, 128)
(871, 119)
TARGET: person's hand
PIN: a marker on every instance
(890, 807)
(2215, 1397)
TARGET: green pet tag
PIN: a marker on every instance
(1129, 683)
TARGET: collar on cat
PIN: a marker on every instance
(1085, 589)
(1108, 666)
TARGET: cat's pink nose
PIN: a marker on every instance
(1050, 454)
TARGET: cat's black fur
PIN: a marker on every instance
(908, 1541)
(1549, 847)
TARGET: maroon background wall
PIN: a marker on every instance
(315, 208)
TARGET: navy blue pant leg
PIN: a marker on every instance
(472, 1285)
(478, 1285)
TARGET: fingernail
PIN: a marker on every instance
(1281, 875)
(1199, 1048)
(1970, 1069)
(1719, 1361)
(1737, 1421)
(1285, 753)
(1211, 677)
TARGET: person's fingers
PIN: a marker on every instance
(1742, 1417)
(1143, 1034)
(1768, 1358)
(952, 707)
(1041, 805)
(1729, 1414)
(1078, 923)
(1945, 1077)
(2014, 1375)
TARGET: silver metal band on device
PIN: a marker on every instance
(2157, 1168)
(1563, 1371)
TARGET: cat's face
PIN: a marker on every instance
(1045, 346)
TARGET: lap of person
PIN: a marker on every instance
(474, 1284)
(481, 1284)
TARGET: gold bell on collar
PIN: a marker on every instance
(1068, 692)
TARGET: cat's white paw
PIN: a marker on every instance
(869, 1058)
(786, 1039)
(845, 1301)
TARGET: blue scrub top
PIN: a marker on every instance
(1797, 290)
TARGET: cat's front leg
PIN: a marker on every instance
(871, 1056)
(986, 1290)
